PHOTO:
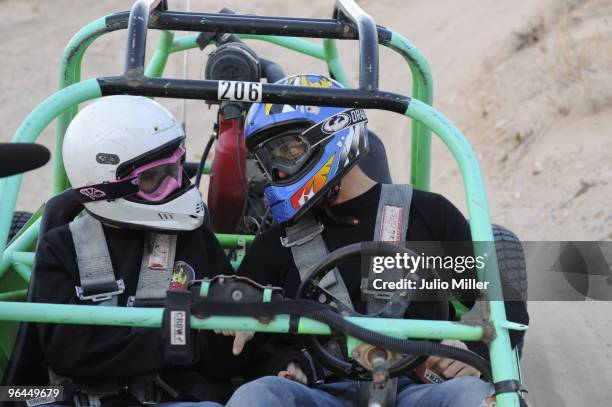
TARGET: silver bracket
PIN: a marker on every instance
(101, 296)
(286, 242)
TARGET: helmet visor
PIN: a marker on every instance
(160, 178)
(286, 153)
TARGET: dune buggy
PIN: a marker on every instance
(237, 211)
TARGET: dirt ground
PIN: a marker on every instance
(528, 82)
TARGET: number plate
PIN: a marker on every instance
(240, 91)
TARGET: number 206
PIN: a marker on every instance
(247, 91)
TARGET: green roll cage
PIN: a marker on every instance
(18, 255)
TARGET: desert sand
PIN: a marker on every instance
(528, 82)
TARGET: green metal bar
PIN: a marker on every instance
(333, 62)
(30, 129)
(503, 362)
(406, 328)
(228, 240)
(25, 241)
(14, 295)
(207, 167)
(25, 258)
(184, 44)
(422, 89)
(151, 318)
(35, 216)
(158, 62)
(422, 83)
(422, 86)
(70, 73)
(23, 271)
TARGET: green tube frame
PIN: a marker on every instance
(70, 72)
(504, 363)
(152, 317)
(64, 105)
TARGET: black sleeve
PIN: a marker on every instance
(457, 229)
(87, 350)
(268, 354)
(261, 263)
(217, 261)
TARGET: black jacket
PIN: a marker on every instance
(89, 351)
(432, 218)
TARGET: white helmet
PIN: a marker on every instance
(123, 156)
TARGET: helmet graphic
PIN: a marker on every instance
(124, 158)
(304, 150)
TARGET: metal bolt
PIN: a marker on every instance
(322, 298)
(355, 354)
(379, 377)
(236, 295)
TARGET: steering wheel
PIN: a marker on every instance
(310, 289)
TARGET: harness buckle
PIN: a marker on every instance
(305, 238)
(376, 294)
(102, 296)
(131, 301)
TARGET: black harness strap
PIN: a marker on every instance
(203, 309)
(179, 348)
(509, 386)
(107, 191)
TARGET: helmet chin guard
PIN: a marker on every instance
(304, 150)
(124, 156)
(184, 212)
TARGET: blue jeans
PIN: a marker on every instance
(171, 404)
(274, 391)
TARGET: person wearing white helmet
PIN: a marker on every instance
(142, 234)
(123, 155)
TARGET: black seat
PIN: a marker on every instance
(375, 164)
(26, 365)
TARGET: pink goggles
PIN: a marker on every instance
(159, 179)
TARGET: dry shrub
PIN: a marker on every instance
(558, 64)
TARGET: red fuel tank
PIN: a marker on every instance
(226, 190)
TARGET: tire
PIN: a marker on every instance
(512, 268)
(20, 219)
(511, 260)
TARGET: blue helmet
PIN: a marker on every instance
(304, 150)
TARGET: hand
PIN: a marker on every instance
(294, 372)
(450, 368)
(240, 339)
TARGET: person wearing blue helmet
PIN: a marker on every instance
(302, 149)
(321, 201)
